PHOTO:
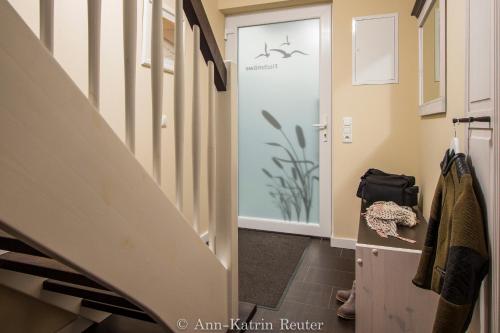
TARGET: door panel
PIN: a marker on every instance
(284, 107)
(278, 100)
(480, 102)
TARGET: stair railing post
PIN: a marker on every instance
(226, 187)
(157, 84)
(94, 41)
(195, 128)
(211, 155)
(47, 24)
(129, 59)
(179, 102)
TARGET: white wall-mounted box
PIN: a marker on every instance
(375, 49)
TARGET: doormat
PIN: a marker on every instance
(267, 264)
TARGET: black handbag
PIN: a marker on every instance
(377, 185)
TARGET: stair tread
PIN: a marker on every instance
(44, 267)
(93, 294)
(9, 243)
(35, 261)
(137, 314)
(121, 324)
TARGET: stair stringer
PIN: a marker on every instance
(72, 189)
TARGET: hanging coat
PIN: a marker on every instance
(454, 259)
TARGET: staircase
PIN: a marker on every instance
(118, 313)
(86, 227)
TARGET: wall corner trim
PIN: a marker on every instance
(346, 243)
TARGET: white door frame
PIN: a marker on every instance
(495, 246)
(323, 12)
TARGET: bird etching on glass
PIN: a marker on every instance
(265, 54)
(286, 54)
(286, 43)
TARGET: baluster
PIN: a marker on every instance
(211, 158)
(226, 184)
(129, 58)
(157, 84)
(94, 36)
(47, 24)
(196, 137)
(179, 102)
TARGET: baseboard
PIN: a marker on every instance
(204, 236)
(346, 243)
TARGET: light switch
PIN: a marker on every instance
(347, 130)
(163, 121)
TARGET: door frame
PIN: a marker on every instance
(324, 13)
(495, 257)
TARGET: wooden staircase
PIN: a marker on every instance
(64, 280)
(59, 278)
(89, 229)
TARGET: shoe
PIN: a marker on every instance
(348, 309)
(343, 295)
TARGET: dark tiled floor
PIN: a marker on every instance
(311, 295)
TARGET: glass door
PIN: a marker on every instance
(284, 106)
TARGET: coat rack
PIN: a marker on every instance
(486, 119)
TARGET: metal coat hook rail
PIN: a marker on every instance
(486, 119)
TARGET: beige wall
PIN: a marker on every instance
(20, 313)
(70, 49)
(385, 121)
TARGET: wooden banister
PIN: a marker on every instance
(196, 15)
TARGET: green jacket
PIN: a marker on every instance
(454, 259)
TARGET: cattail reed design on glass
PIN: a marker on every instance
(294, 176)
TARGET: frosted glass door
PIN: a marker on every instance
(278, 104)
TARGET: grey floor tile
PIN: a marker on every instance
(348, 253)
(309, 293)
(332, 277)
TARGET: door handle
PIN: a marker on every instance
(320, 126)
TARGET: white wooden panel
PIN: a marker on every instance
(386, 299)
(480, 101)
(71, 187)
(481, 156)
(480, 66)
(375, 49)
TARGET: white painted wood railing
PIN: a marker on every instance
(157, 83)
(196, 128)
(94, 29)
(179, 105)
(47, 24)
(211, 153)
(129, 60)
(221, 153)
